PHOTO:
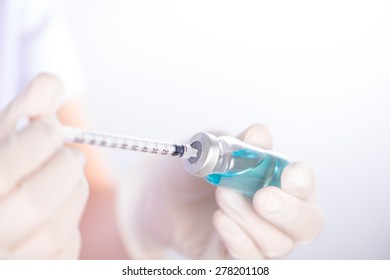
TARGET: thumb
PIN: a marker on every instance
(257, 135)
(40, 98)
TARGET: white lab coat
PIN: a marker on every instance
(34, 38)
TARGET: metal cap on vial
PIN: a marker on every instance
(207, 156)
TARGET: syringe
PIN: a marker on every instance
(223, 161)
(77, 135)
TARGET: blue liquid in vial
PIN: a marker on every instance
(250, 171)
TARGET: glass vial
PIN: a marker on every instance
(228, 162)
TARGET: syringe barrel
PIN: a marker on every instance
(81, 136)
(228, 162)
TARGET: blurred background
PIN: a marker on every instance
(317, 73)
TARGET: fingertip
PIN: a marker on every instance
(42, 97)
(298, 180)
(221, 196)
(268, 201)
(301, 220)
(228, 199)
(258, 135)
(47, 82)
(46, 91)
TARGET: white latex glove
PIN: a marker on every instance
(163, 208)
(42, 187)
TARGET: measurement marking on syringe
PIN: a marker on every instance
(125, 146)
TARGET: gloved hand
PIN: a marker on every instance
(42, 187)
(164, 208)
(276, 219)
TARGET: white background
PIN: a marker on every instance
(317, 73)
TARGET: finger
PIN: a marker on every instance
(299, 219)
(257, 135)
(52, 236)
(298, 180)
(24, 152)
(270, 240)
(236, 241)
(71, 250)
(39, 197)
(40, 98)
